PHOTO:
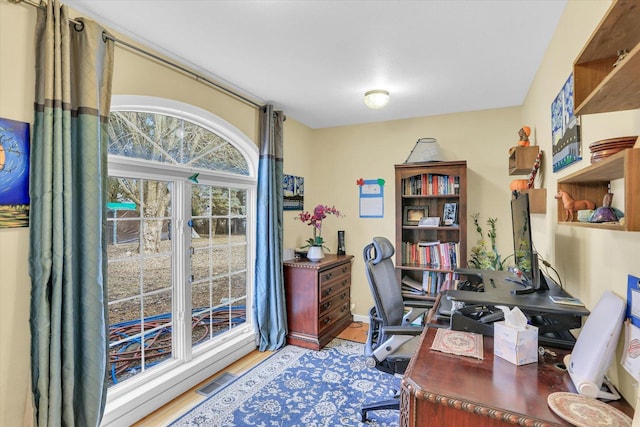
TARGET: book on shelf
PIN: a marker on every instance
(431, 185)
(412, 288)
(429, 243)
(448, 283)
(434, 282)
(408, 282)
(433, 254)
(411, 295)
(411, 292)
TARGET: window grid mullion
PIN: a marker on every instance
(182, 272)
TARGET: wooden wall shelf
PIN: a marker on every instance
(592, 183)
(521, 159)
(537, 200)
(598, 85)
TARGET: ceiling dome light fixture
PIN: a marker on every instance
(376, 99)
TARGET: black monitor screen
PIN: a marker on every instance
(525, 258)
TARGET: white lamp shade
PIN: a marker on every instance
(376, 99)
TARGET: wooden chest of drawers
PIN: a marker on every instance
(318, 299)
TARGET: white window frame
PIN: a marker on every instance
(137, 397)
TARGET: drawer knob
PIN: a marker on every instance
(328, 276)
(327, 320)
(328, 291)
(327, 305)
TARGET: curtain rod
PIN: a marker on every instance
(185, 70)
(182, 69)
(40, 5)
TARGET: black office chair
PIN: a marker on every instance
(392, 339)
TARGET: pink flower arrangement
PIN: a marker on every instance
(320, 212)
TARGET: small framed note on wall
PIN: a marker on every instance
(371, 198)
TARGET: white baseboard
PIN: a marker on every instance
(360, 318)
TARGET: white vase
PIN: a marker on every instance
(315, 253)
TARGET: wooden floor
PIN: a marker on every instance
(183, 403)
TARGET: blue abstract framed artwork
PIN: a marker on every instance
(14, 173)
(565, 128)
(293, 191)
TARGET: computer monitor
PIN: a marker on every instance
(526, 259)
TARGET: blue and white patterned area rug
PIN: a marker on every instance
(300, 387)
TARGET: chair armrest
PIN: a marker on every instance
(416, 309)
(402, 330)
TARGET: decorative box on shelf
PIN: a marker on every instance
(521, 159)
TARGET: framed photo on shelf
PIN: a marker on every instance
(413, 214)
(449, 213)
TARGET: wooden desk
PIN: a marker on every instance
(441, 390)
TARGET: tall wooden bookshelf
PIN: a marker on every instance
(428, 254)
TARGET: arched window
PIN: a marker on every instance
(181, 221)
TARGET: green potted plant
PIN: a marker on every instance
(486, 257)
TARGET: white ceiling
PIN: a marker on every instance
(314, 59)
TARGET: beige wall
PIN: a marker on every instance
(135, 74)
(331, 160)
(16, 103)
(338, 157)
(589, 261)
